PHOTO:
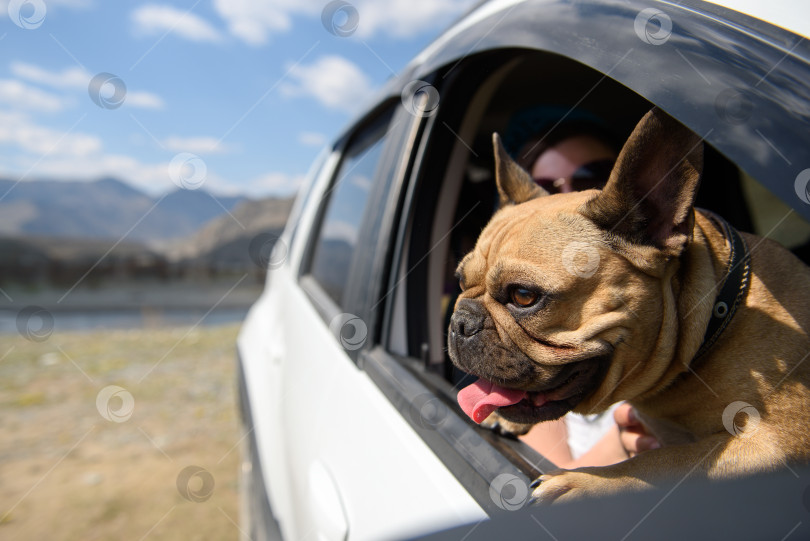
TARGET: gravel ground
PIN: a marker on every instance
(119, 435)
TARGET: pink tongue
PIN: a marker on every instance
(483, 397)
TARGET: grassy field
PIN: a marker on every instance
(154, 457)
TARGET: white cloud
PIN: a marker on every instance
(332, 80)
(157, 19)
(67, 78)
(17, 129)
(406, 18)
(47, 152)
(312, 139)
(196, 145)
(144, 100)
(40, 151)
(342, 231)
(70, 78)
(20, 95)
(275, 183)
(362, 182)
(152, 178)
(253, 21)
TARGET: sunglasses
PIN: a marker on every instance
(591, 175)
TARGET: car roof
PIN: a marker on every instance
(738, 81)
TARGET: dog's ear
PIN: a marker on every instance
(649, 196)
(515, 185)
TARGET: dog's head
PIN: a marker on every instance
(562, 298)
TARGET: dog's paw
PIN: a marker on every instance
(501, 426)
(568, 485)
(563, 486)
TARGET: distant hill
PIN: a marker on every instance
(37, 260)
(228, 237)
(104, 209)
(63, 233)
(35, 248)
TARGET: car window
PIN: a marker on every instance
(774, 219)
(449, 198)
(348, 197)
(305, 193)
(453, 196)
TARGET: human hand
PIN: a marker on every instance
(632, 433)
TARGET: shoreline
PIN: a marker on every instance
(160, 296)
(124, 306)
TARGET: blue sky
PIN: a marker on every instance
(243, 92)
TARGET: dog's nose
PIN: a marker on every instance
(465, 323)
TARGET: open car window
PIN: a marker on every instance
(451, 196)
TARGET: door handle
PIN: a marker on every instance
(326, 506)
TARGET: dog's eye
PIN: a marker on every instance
(460, 278)
(523, 297)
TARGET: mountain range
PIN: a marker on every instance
(228, 237)
(105, 209)
(57, 232)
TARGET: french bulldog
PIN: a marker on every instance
(575, 301)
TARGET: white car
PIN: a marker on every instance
(348, 397)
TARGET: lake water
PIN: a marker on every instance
(13, 321)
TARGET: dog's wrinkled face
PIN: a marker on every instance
(560, 299)
(544, 304)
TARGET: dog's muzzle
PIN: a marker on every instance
(467, 320)
(465, 336)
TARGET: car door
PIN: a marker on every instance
(353, 463)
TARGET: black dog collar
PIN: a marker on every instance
(734, 287)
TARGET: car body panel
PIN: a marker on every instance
(349, 436)
(349, 429)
